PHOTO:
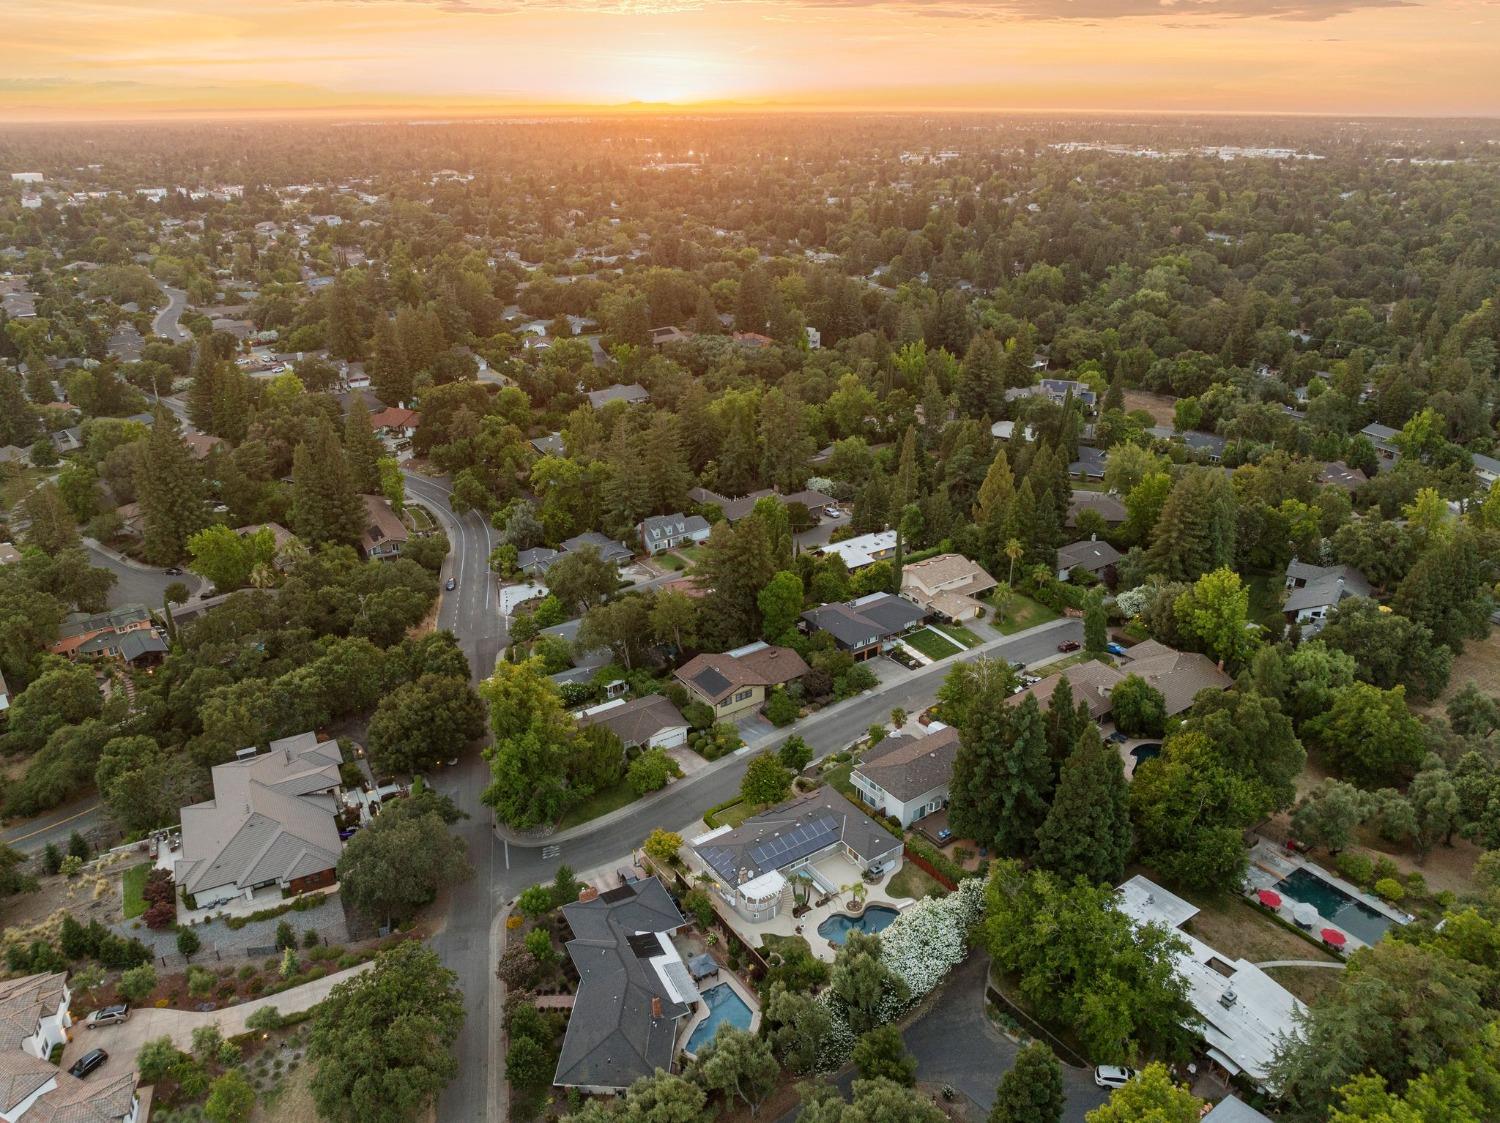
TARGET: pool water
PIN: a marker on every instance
(724, 1005)
(838, 926)
(1334, 905)
(1145, 752)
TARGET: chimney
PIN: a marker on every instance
(587, 893)
(655, 1006)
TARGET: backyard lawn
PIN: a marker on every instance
(932, 645)
(133, 888)
(600, 803)
(910, 881)
(1021, 613)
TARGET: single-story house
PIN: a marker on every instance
(667, 532)
(863, 626)
(270, 824)
(1006, 430)
(1178, 675)
(1209, 443)
(14, 454)
(1055, 390)
(906, 778)
(866, 549)
(550, 445)
(735, 682)
(1242, 1013)
(1338, 474)
(1108, 507)
(948, 585)
(651, 722)
(668, 334)
(385, 534)
(1487, 468)
(1092, 556)
(609, 549)
(751, 862)
(630, 394)
(34, 1019)
(736, 509)
(396, 421)
(537, 560)
(1314, 590)
(1090, 463)
(633, 988)
(9, 555)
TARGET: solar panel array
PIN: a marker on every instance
(797, 843)
(711, 682)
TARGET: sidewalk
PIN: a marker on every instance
(891, 676)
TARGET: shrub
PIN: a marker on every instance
(1389, 889)
(650, 771)
(78, 847)
(286, 938)
(310, 938)
(71, 866)
(247, 972)
(188, 943)
(1386, 869)
(52, 858)
(161, 914)
(156, 1059)
(200, 982)
(138, 982)
(697, 902)
(780, 709)
(535, 901)
(288, 963)
(231, 1099)
(206, 1042)
(158, 886)
(264, 1020)
(1355, 866)
(539, 943)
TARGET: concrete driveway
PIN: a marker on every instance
(123, 1042)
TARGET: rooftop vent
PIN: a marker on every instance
(1228, 998)
(245, 754)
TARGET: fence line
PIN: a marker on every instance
(1033, 1027)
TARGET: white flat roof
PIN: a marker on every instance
(860, 552)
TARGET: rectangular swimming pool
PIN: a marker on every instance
(724, 1005)
(1334, 905)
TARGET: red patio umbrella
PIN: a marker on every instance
(1334, 937)
(1269, 898)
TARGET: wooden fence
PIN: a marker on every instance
(928, 868)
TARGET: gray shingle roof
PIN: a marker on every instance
(624, 1020)
(638, 720)
(867, 620)
(906, 767)
(1091, 555)
(792, 831)
(608, 548)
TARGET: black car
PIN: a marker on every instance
(452, 584)
(87, 1063)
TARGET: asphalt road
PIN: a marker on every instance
(33, 835)
(165, 323)
(136, 583)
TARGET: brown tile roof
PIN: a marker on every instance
(1090, 682)
(21, 1075)
(101, 1100)
(1178, 675)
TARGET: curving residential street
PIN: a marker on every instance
(165, 322)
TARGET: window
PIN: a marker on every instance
(743, 695)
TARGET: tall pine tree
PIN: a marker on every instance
(17, 421)
(325, 507)
(362, 448)
(1025, 781)
(1194, 533)
(1087, 831)
(171, 492)
(976, 792)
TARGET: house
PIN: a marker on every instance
(1006, 430)
(1093, 556)
(1335, 473)
(1232, 1109)
(629, 394)
(651, 722)
(753, 340)
(1385, 439)
(1210, 444)
(906, 778)
(633, 988)
(537, 560)
(35, 1016)
(751, 863)
(1487, 468)
(864, 626)
(103, 635)
(734, 510)
(1179, 676)
(396, 421)
(14, 454)
(385, 534)
(1090, 463)
(1089, 682)
(1242, 1013)
(669, 334)
(734, 682)
(1054, 390)
(280, 535)
(866, 549)
(67, 440)
(1314, 590)
(948, 585)
(270, 824)
(550, 445)
(667, 532)
(1107, 506)
(200, 445)
(609, 549)
(9, 555)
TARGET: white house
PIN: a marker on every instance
(949, 585)
(1313, 591)
(906, 778)
(866, 549)
(667, 532)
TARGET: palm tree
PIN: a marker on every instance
(263, 576)
(1015, 552)
(856, 891)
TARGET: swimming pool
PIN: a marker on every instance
(724, 1005)
(1147, 751)
(838, 926)
(1334, 905)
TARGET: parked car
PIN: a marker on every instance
(172, 571)
(1113, 1076)
(88, 1063)
(108, 1016)
(452, 584)
(1069, 645)
(1117, 738)
(1114, 649)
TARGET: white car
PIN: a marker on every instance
(1113, 1076)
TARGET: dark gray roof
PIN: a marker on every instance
(552, 443)
(792, 831)
(608, 548)
(142, 641)
(1232, 1109)
(1110, 508)
(617, 393)
(624, 1020)
(1325, 585)
(638, 720)
(865, 621)
(660, 528)
(1090, 462)
(1092, 555)
(536, 560)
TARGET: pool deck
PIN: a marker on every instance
(700, 1012)
(1271, 864)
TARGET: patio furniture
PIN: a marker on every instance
(1334, 938)
(1304, 914)
(1269, 898)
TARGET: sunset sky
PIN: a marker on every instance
(177, 58)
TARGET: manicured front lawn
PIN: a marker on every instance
(600, 803)
(932, 645)
(134, 888)
(731, 816)
(1021, 613)
(838, 779)
(693, 553)
(962, 634)
(670, 561)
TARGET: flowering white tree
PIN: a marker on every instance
(1133, 602)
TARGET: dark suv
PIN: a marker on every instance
(88, 1063)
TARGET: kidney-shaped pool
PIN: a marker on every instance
(838, 926)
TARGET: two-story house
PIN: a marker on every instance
(948, 585)
(906, 778)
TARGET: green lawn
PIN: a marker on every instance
(1265, 600)
(962, 634)
(1021, 613)
(670, 561)
(731, 816)
(693, 553)
(134, 883)
(932, 645)
(600, 803)
(910, 881)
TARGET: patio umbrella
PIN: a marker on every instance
(1334, 938)
(1304, 914)
(1270, 899)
